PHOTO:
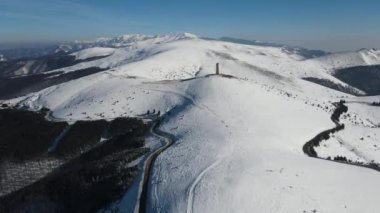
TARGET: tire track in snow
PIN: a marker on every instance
(190, 193)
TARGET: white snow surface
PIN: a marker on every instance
(240, 139)
(93, 52)
(350, 59)
(359, 141)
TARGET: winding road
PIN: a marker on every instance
(150, 162)
(170, 139)
(308, 148)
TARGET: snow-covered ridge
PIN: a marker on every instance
(128, 39)
(93, 52)
(361, 57)
(120, 41)
(276, 58)
(181, 56)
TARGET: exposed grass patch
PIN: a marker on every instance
(16, 87)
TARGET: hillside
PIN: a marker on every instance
(239, 135)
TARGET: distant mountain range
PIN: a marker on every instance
(69, 47)
(296, 50)
(125, 40)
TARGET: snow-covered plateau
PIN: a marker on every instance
(239, 136)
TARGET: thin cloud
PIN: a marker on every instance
(60, 10)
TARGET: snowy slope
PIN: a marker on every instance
(240, 139)
(349, 59)
(185, 56)
(360, 140)
(239, 150)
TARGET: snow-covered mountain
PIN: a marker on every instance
(119, 41)
(39, 60)
(70, 47)
(350, 59)
(2, 58)
(240, 134)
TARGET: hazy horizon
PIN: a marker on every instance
(327, 25)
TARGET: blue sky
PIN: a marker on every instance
(323, 24)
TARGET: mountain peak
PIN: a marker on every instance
(186, 35)
(373, 50)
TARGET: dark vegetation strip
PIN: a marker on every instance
(16, 87)
(374, 103)
(41, 64)
(365, 78)
(89, 182)
(26, 135)
(83, 135)
(332, 85)
(36, 65)
(130, 125)
(309, 150)
(83, 186)
(132, 138)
